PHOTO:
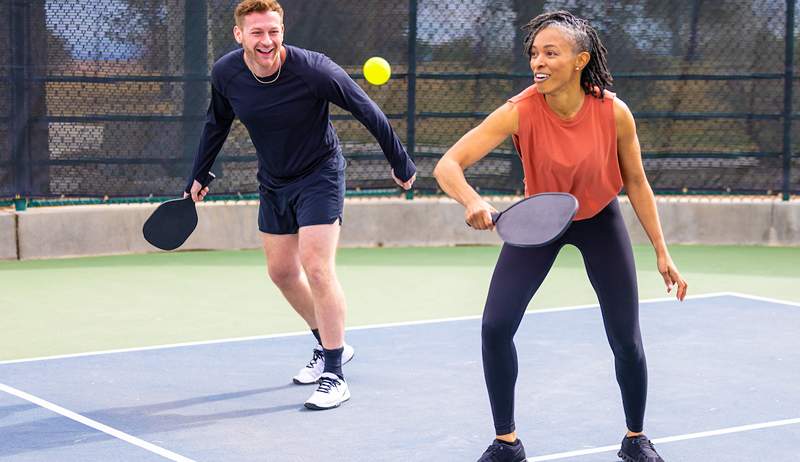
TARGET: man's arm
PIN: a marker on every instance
(219, 119)
(334, 85)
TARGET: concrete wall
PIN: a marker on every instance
(8, 236)
(398, 222)
(711, 221)
(116, 229)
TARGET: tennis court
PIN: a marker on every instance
(122, 358)
(111, 350)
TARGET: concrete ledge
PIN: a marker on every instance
(8, 236)
(720, 222)
(117, 229)
(398, 222)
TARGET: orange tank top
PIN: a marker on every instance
(578, 155)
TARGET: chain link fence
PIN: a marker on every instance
(107, 98)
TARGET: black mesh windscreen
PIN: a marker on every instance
(108, 97)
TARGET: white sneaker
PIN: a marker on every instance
(331, 392)
(313, 370)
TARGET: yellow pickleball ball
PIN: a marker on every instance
(377, 70)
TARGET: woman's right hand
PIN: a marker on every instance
(478, 214)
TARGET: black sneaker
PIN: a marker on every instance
(504, 452)
(638, 449)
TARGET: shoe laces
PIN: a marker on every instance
(326, 383)
(318, 355)
(494, 449)
(646, 445)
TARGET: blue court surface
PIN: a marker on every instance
(724, 374)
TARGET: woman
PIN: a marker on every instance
(573, 136)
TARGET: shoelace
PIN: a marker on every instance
(317, 356)
(647, 446)
(494, 449)
(326, 383)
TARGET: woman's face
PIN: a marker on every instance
(555, 64)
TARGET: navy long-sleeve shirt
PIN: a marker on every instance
(288, 120)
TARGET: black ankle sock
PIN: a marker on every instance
(333, 361)
(316, 335)
(516, 442)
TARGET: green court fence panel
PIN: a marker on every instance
(107, 98)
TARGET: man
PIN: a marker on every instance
(281, 94)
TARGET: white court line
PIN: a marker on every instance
(371, 326)
(94, 424)
(669, 439)
(764, 299)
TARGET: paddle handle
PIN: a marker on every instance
(206, 181)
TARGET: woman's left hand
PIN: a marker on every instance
(671, 276)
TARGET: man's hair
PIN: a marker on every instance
(255, 6)
(595, 76)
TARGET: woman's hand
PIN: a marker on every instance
(478, 214)
(671, 275)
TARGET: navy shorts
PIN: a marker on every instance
(315, 199)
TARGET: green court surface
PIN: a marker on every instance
(56, 307)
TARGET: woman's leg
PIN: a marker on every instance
(517, 275)
(606, 248)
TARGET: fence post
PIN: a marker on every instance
(18, 112)
(411, 106)
(788, 80)
(195, 65)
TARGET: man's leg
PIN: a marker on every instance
(317, 245)
(285, 270)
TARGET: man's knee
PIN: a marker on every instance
(319, 272)
(282, 274)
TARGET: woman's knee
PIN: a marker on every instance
(496, 331)
(628, 351)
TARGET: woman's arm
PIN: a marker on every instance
(472, 147)
(641, 195)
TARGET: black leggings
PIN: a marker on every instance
(603, 241)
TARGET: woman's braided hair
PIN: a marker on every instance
(596, 74)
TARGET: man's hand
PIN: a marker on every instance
(198, 192)
(405, 185)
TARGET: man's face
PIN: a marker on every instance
(261, 37)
